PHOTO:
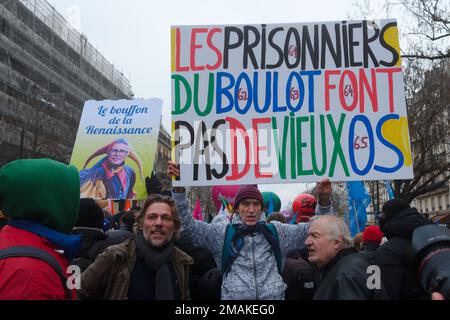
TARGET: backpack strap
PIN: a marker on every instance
(33, 252)
(229, 233)
(273, 230)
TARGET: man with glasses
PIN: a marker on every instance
(145, 267)
(110, 177)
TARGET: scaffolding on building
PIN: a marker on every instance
(47, 71)
(45, 12)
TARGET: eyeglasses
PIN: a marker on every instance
(120, 152)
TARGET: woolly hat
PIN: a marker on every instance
(394, 206)
(42, 190)
(90, 214)
(372, 234)
(250, 191)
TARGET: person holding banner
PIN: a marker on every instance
(252, 259)
(110, 177)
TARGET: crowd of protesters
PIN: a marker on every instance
(160, 252)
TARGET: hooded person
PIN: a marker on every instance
(110, 177)
(249, 252)
(41, 199)
(398, 222)
(94, 239)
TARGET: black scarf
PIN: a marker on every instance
(157, 259)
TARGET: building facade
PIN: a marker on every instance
(436, 204)
(163, 156)
(47, 71)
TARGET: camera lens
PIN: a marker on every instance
(431, 247)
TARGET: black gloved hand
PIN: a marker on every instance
(152, 184)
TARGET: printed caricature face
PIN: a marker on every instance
(321, 249)
(118, 154)
(158, 226)
(250, 211)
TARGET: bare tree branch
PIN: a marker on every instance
(431, 58)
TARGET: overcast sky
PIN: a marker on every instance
(134, 35)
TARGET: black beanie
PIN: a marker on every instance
(90, 215)
(394, 206)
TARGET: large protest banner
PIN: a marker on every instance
(289, 103)
(115, 147)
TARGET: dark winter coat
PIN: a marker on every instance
(398, 271)
(203, 262)
(300, 275)
(368, 250)
(345, 278)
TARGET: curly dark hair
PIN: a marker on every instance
(157, 198)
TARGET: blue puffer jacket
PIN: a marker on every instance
(254, 274)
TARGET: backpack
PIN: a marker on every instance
(32, 252)
(229, 233)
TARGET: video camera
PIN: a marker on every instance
(431, 248)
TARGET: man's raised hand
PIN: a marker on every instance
(324, 192)
(174, 170)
